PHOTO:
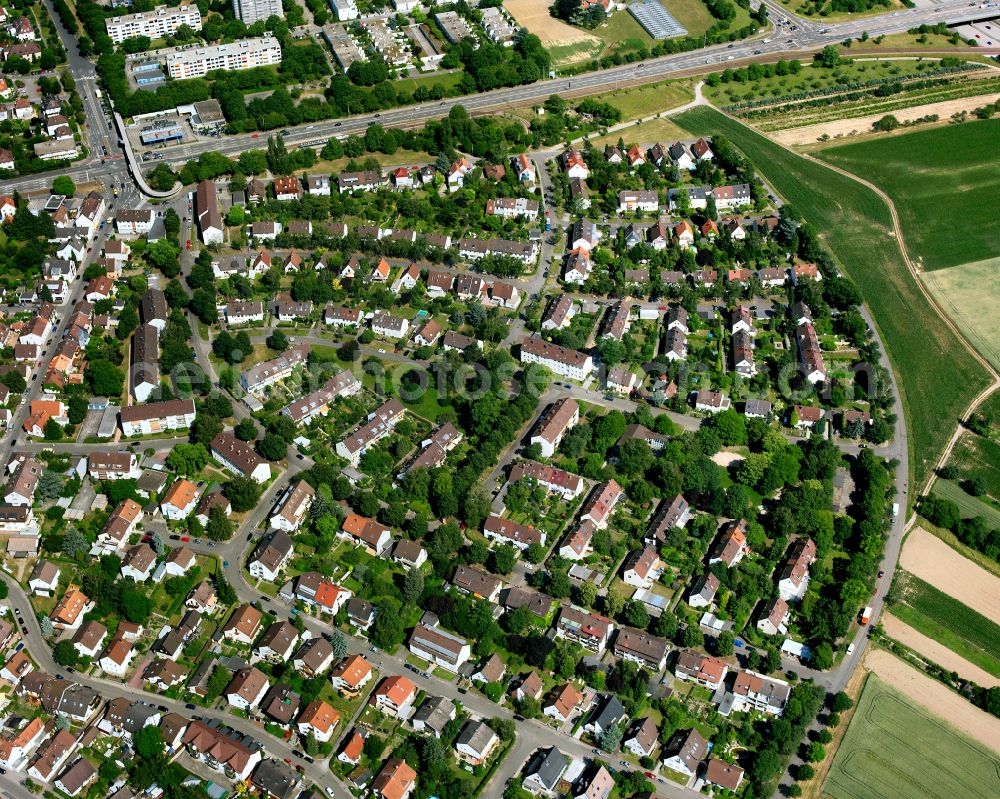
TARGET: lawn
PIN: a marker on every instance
(943, 187)
(972, 298)
(808, 9)
(949, 622)
(661, 130)
(447, 80)
(937, 377)
(643, 101)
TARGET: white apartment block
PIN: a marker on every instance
(249, 11)
(156, 24)
(245, 54)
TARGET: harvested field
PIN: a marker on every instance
(933, 561)
(933, 651)
(840, 128)
(968, 293)
(938, 699)
(553, 32)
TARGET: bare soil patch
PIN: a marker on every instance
(810, 134)
(937, 698)
(535, 16)
(725, 459)
(932, 650)
(933, 561)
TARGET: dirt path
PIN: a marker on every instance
(810, 134)
(932, 650)
(933, 561)
(936, 697)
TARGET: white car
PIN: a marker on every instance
(850, 649)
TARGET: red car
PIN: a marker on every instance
(185, 538)
(189, 244)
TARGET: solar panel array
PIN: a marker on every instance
(656, 20)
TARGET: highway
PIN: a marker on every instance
(766, 46)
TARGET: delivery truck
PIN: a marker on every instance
(866, 615)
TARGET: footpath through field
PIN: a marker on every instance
(933, 561)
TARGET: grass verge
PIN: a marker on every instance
(937, 376)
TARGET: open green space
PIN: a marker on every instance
(824, 9)
(971, 295)
(895, 749)
(447, 80)
(949, 622)
(968, 505)
(812, 78)
(944, 189)
(936, 375)
(643, 101)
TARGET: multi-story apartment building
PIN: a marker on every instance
(245, 54)
(156, 24)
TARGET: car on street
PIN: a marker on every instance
(249, 536)
(189, 706)
(185, 538)
(881, 573)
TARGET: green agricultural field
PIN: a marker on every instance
(968, 505)
(977, 457)
(943, 185)
(948, 621)
(936, 374)
(896, 749)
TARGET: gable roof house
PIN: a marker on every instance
(642, 648)
(563, 703)
(589, 630)
(731, 546)
(695, 667)
(685, 751)
(247, 688)
(608, 712)
(544, 771)
(438, 646)
(476, 583)
(793, 577)
(642, 738)
(433, 715)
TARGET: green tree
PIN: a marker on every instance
(587, 594)
(65, 653)
(246, 430)
(504, 558)
(413, 585)
(841, 702)
(188, 459)
(242, 492)
(74, 543)
(219, 527)
(277, 341)
(52, 431)
(272, 447)
(64, 185)
(610, 738)
(614, 601)
(387, 631)
(148, 742)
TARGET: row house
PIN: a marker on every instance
(556, 481)
(380, 424)
(240, 457)
(553, 424)
(505, 531)
(562, 361)
(317, 403)
(157, 417)
(475, 249)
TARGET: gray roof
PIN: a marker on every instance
(547, 766)
(476, 735)
(435, 712)
(609, 712)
